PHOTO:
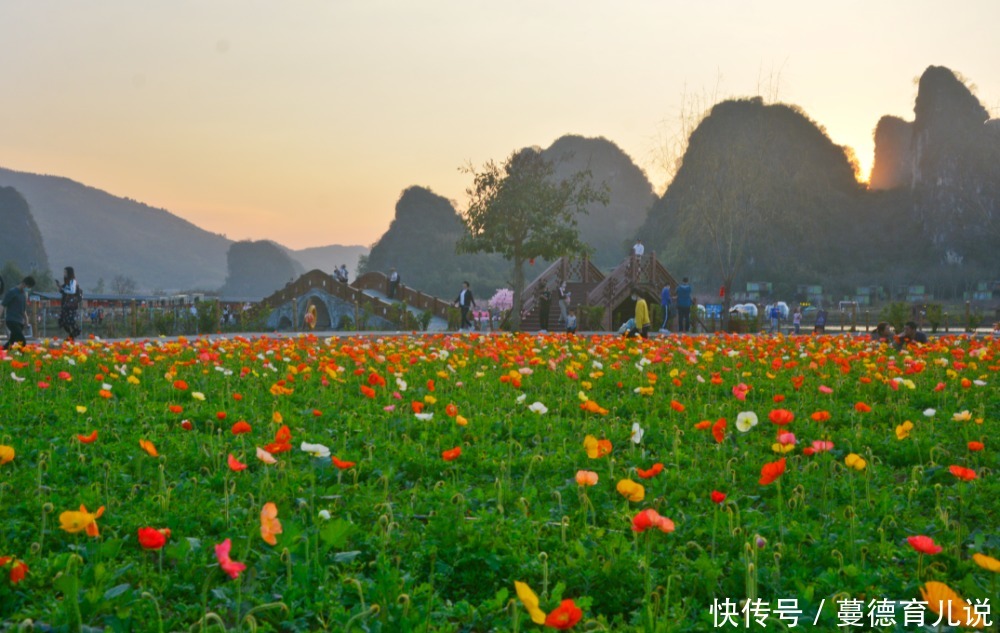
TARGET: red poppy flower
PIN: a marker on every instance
(861, 407)
(771, 471)
(151, 538)
(17, 571)
(564, 616)
(176, 408)
(376, 380)
(418, 407)
(451, 454)
(87, 439)
(923, 544)
(778, 398)
(965, 474)
(719, 430)
(650, 518)
(676, 406)
(781, 417)
(653, 471)
(180, 385)
(340, 464)
(367, 391)
(220, 416)
(451, 410)
(718, 497)
(241, 427)
(235, 465)
(820, 416)
(973, 446)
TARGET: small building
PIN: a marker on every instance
(758, 290)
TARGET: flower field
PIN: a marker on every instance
(500, 483)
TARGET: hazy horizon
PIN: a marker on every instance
(304, 123)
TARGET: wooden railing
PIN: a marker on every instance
(420, 300)
(645, 273)
(570, 270)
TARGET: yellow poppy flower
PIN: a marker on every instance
(987, 562)
(530, 601)
(855, 461)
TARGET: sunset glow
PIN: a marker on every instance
(303, 122)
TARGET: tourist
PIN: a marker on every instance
(819, 327)
(774, 314)
(884, 333)
(684, 306)
(911, 334)
(72, 296)
(665, 304)
(393, 283)
(15, 303)
(571, 322)
(797, 320)
(642, 321)
(638, 249)
(465, 301)
(564, 297)
(544, 307)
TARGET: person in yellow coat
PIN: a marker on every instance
(642, 321)
(310, 317)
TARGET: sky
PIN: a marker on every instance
(302, 121)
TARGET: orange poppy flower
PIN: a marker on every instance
(942, 600)
(180, 385)
(861, 407)
(72, 521)
(965, 474)
(704, 424)
(241, 427)
(149, 448)
(676, 406)
(586, 478)
(820, 416)
(282, 441)
(367, 391)
(87, 439)
(17, 571)
(976, 446)
(771, 471)
(451, 454)
(653, 471)
(596, 448)
(781, 417)
(417, 406)
(451, 410)
(340, 464)
(176, 408)
(270, 526)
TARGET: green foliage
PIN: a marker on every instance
(896, 314)
(518, 211)
(209, 316)
(589, 318)
(935, 316)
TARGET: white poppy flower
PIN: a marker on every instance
(746, 420)
(930, 412)
(424, 417)
(637, 433)
(521, 398)
(538, 408)
(316, 450)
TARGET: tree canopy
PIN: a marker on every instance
(521, 212)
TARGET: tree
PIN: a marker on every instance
(98, 288)
(521, 212)
(122, 285)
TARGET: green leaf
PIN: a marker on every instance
(116, 591)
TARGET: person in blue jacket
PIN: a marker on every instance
(665, 302)
(684, 306)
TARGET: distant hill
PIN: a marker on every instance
(255, 269)
(948, 159)
(610, 230)
(102, 236)
(325, 258)
(420, 244)
(20, 240)
(798, 215)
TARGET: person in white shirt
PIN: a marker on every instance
(638, 249)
